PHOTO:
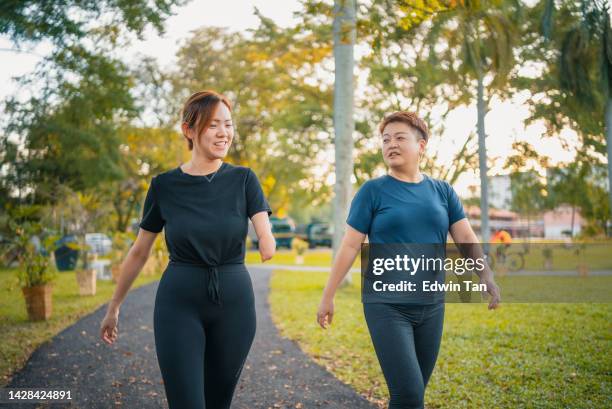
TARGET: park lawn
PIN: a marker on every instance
(595, 256)
(315, 257)
(21, 337)
(521, 355)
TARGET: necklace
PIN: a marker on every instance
(206, 176)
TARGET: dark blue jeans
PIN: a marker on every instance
(406, 339)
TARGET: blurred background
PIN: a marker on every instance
(516, 94)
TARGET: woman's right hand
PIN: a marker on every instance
(325, 312)
(108, 327)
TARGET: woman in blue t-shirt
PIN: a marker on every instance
(404, 207)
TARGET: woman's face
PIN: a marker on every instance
(401, 145)
(214, 142)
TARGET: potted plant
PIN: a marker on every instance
(299, 246)
(82, 210)
(86, 275)
(35, 273)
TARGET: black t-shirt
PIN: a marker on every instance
(204, 222)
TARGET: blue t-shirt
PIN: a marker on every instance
(403, 219)
(389, 210)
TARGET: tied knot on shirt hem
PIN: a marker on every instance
(213, 285)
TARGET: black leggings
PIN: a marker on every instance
(204, 325)
(406, 339)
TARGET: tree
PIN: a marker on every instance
(582, 38)
(69, 124)
(67, 116)
(578, 184)
(528, 188)
(480, 38)
(69, 21)
(344, 125)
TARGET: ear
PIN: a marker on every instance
(423, 144)
(186, 130)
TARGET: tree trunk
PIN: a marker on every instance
(609, 148)
(344, 124)
(482, 162)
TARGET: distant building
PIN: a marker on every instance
(500, 192)
(501, 219)
(558, 222)
(561, 222)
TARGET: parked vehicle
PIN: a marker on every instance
(283, 230)
(319, 234)
(99, 243)
(316, 234)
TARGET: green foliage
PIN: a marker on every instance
(70, 109)
(70, 124)
(580, 184)
(63, 20)
(34, 261)
(573, 59)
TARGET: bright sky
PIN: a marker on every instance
(504, 123)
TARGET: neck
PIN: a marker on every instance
(202, 165)
(408, 175)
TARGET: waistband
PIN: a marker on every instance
(213, 275)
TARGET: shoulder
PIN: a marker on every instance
(370, 190)
(443, 187)
(374, 185)
(439, 184)
(237, 170)
(245, 174)
(164, 177)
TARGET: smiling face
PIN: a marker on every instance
(215, 140)
(402, 145)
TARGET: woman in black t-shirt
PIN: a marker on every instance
(204, 315)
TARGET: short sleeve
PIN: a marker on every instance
(361, 210)
(256, 201)
(455, 208)
(151, 215)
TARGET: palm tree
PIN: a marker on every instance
(344, 123)
(475, 40)
(585, 62)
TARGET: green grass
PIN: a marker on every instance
(315, 257)
(21, 337)
(521, 355)
(595, 256)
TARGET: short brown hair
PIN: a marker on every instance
(199, 109)
(409, 118)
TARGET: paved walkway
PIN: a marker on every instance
(277, 373)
